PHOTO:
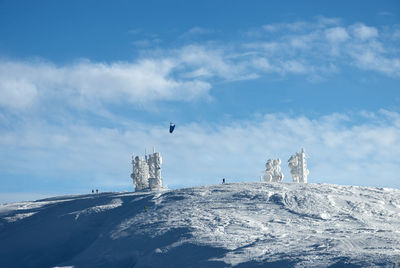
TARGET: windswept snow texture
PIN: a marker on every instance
(241, 225)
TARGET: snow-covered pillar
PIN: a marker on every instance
(155, 180)
(146, 173)
(303, 167)
(278, 175)
(157, 167)
(273, 171)
(298, 167)
(133, 175)
(268, 174)
(140, 174)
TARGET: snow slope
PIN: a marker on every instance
(241, 225)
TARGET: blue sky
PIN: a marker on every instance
(83, 84)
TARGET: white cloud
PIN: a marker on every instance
(301, 26)
(264, 64)
(326, 43)
(178, 75)
(327, 22)
(141, 82)
(396, 34)
(336, 34)
(16, 93)
(385, 13)
(199, 30)
(364, 32)
(146, 42)
(291, 27)
(196, 32)
(373, 58)
(268, 47)
(135, 31)
(21, 83)
(294, 67)
(189, 72)
(214, 63)
(341, 150)
(304, 41)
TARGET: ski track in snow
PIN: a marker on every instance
(240, 224)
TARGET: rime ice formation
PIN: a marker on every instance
(273, 171)
(146, 174)
(140, 174)
(298, 167)
(154, 161)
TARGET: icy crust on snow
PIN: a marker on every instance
(242, 225)
(97, 209)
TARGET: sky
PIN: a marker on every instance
(84, 84)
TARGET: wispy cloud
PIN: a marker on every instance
(198, 31)
(364, 32)
(342, 149)
(337, 34)
(145, 43)
(301, 26)
(177, 75)
(385, 13)
(314, 49)
(325, 43)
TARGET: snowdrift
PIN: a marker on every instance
(241, 225)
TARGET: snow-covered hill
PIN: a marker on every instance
(241, 225)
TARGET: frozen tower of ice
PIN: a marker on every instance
(146, 174)
(298, 167)
(273, 171)
(154, 161)
(140, 173)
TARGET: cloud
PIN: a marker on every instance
(148, 80)
(297, 26)
(294, 67)
(336, 34)
(146, 42)
(373, 56)
(385, 13)
(364, 32)
(195, 33)
(396, 34)
(325, 43)
(17, 93)
(183, 74)
(301, 26)
(342, 149)
(199, 30)
(315, 49)
(264, 64)
(135, 31)
(213, 63)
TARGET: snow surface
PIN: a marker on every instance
(241, 225)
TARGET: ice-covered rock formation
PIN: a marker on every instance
(146, 174)
(298, 167)
(273, 171)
